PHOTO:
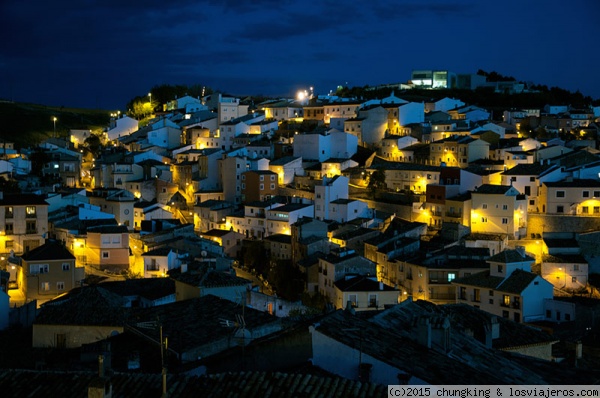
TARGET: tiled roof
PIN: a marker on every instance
(28, 383)
(576, 183)
(216, 232)
(24, 199)
(199, 274)
(159, 252)
(51, 250)
(196, 322)
(564, 258)
(467, 352)
(512, 334)
(90, 305)
(515, 283)
(526, 169)
(399, 350)
(108, 229)
(291, 207)
(561, 243)
(482, 236)
(280, 238)
(284, 160)
(493, 189)
(481, 279)
(361, 284)
(510, 256)
(148, 288)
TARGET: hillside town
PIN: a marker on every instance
(304, 245)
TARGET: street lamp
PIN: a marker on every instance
(54, 119)
(150, 99)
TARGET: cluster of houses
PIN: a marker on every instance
(477, 231)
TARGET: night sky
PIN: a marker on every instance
(102, 53)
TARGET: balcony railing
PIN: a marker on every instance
(453, 214)
(442, 296)
(440, 281)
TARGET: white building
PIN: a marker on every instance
(330, 190)
(324, 146)
(508, 289)
(121, 127)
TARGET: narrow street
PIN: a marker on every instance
(263, 288)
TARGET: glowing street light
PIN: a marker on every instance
(150, 100)
(54, 119)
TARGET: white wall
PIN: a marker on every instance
(533, 299)
(344, 361)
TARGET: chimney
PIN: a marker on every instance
(578, 349)
(495, 328)
(100, 387)
(424, 332)
(349, 308)
(100, 365)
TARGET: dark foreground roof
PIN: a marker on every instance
(26, 383)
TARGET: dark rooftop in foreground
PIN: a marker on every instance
(29, 383)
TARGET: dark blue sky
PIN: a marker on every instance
(102, 53)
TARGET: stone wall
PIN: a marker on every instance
(543, 223)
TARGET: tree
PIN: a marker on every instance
(93, 144)
(594, 282)
(39, 158)
(377, 180)
(255, 257)
(287, 280)
(9, 186)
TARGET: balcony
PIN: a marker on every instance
(452, 214)
(442, 296)
(439, 282)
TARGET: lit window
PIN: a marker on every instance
(30, 211)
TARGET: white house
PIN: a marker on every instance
(324, 146)
(444, 105)
(121, 127)
(330, 190)
(287, 168)
(280, 219)
(165, 134)
(508, 289)
(159, 261)
(344, 210)
(565, 271)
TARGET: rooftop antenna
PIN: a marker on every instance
(241, 333)
(153, 325)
